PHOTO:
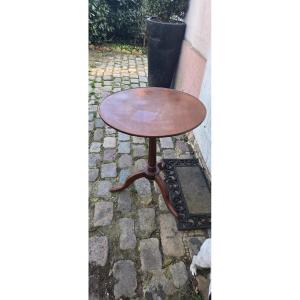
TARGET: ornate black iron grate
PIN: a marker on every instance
(189, 192)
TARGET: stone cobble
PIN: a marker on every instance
(124, 201)
(109, 142)
(134, 242)
(109, 155)
(124, 148)
(143, 189)
(98, 250)
(146, 222)
(124, 273)
(151, 259)
(127, 237)
(93, 174)
(179, 274)
(171, 238)
(125, 161)
(109, 170)
(102, 189)
(103, 213)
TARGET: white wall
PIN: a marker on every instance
(203, 132)
(198, 35)
(193, 72)
(198, 26)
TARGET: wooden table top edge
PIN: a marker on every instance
(151, 136)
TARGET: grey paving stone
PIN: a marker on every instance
(107, 88)
(93, 108)
(134, 80)
(166, 142)
(124, 147)
(99, 123)
(94, 90)
(93, 174)
(194, 243)
(143, 189)
(123, 175)
(98, 250)
(162, 204)
(143, 79)
(143, 84)
(125, 161)
(180, 137)
(125, 275)
(109, 131)
(135, 85)
(146, 222)
(140, 164)
(109, 155)
(159, 287)
(124, 201)
(95, 147)
(91, 125)
(109, 142)
(171, 238)
(103, 213)
(107, 77)
(123, 137)
(109, 170)
(98, 135)
(91, 116)
(139, 151)
(116, 89)
(102, 189)
(179, 274)
(127, 237)
(181, 147)
(94, 160)
(169, 153)
(138, 140)
(105, 83)
(150, 255)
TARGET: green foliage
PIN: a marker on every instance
(99, 23)
(126, 17)
(124, 20)
(118, 20)
(167, 10)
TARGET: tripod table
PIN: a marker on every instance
(152, 112)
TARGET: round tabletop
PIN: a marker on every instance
(152, 112)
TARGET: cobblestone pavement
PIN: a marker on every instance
(135, 249)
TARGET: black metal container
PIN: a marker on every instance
(164, 44)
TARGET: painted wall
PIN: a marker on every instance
(193, 72)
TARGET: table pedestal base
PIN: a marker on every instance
(151, 173)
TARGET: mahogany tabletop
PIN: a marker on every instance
(152, 112)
